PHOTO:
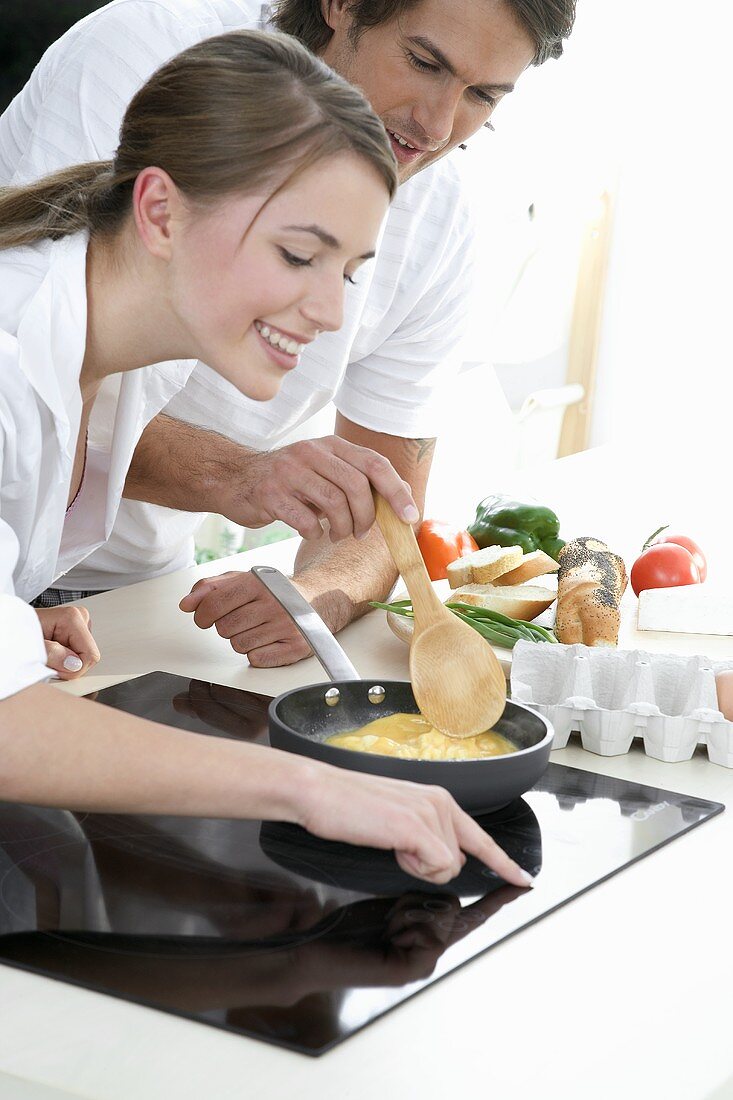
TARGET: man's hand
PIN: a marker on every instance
(328, 478)
(245, 612)
(181, 466)
(70, 648)
(338, 579)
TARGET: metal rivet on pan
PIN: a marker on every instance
(376, 694)
(332, 697)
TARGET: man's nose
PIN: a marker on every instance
(436, 115)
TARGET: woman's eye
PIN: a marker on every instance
(423, 66)
(349, 279)
(293, 260)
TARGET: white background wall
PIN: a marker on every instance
(641, 101)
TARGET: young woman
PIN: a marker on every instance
(248, 185)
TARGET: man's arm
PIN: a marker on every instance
(343, 577)
(183, 466)
(339, 579)
(179, 465)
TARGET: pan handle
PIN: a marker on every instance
(309, 623)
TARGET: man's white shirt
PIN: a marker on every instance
(385, 369)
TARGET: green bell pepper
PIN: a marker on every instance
(501, 521)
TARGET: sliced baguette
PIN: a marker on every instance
(536, 564)
(525, 601)
(483, 566)
(460, 571)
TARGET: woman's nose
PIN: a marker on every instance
(325, 307)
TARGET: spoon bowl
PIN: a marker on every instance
(457, 680)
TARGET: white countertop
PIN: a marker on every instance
(624, 992)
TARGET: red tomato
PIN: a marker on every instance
(440, 544)
(697, 555)
(663, 565)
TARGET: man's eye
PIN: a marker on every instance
(485, 98)
(423, 66)
(293, 260)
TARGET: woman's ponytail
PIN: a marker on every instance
(85, 196)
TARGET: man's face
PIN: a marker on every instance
(435, 74)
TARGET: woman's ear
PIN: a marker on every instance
(156, 205)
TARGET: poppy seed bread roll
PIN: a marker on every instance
(590, 584)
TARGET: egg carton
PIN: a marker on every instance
(612, 697)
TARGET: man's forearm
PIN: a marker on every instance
(341, 578)
(182, 466)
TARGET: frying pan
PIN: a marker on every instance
(301, 721)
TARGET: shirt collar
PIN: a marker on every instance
(52, 332)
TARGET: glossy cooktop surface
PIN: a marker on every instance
(264, 930)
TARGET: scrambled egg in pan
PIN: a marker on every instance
(411, 737)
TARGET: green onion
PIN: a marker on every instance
(497, 629)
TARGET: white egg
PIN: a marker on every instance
(724, 684)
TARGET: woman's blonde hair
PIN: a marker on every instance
(240, 113)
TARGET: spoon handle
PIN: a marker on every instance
(402, 545)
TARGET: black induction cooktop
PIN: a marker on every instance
(262, 929)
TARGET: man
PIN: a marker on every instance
(434, 72)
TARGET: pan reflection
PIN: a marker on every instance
(371, 871)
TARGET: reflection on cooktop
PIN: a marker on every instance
(262, 929)
(368, 870)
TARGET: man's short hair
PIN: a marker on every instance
(548, 22)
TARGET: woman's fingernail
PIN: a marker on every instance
(526, 878)
(73, 664)
(411, 514)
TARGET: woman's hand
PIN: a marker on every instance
(425, 827)
(70, 648)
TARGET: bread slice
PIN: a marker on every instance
(536, 564)
(460, 571)
(483, 566)
(525, 601)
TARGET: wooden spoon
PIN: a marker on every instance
(457, 680)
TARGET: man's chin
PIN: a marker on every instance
(407, 171)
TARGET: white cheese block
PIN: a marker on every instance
(686, 609)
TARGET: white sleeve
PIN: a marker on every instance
(72, 107)
(400, 387)
(22, 650)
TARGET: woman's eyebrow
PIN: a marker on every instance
(317, 231)
(439, 56)
(323, 235)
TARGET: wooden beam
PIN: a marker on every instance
(585, 326)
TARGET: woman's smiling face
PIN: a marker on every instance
(254, 280)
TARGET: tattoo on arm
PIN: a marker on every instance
(422, 448)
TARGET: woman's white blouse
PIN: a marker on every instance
(43, 316)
